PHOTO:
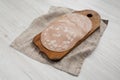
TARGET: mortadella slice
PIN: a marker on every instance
(65, 32)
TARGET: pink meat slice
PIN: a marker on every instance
(62, 34)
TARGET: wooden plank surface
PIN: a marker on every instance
(16, 16)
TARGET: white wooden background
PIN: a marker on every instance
(16, 16)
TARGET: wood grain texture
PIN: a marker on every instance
(15, 17)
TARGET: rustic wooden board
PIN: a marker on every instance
(52, 55)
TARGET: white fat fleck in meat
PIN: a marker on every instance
(57, 28)
(57, 35)
(66, 29)
(63, 34)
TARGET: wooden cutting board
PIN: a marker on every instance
(93, 16)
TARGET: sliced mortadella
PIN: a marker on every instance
(63, 33)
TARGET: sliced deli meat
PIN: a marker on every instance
(63, 33)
